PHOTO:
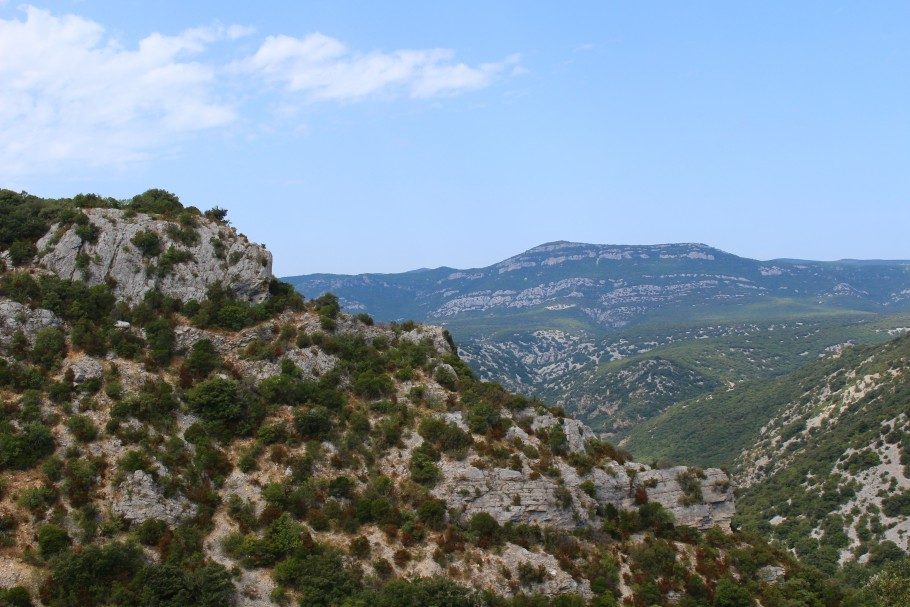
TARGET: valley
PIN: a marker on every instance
(617, 333)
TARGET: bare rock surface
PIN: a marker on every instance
(237, 263)
(16, 317)
(566, 499)
(577, 433)
(84, 368)
(139, 499)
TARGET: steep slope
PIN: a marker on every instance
(820, 458)
(558, 320)
(249, 449)
(830, 472)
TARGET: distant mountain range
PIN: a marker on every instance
(616, 333)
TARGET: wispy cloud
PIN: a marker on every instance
(322, 68)
(71, 94)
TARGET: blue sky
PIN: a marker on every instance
(355, 137)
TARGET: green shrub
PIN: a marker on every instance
(148, 243)
(154, 403)
(313, 424)
(371, 384)
(82, 428)
(445, 436)
(424, 470)
(897, 504)
(21, 252)
(359, 547)
(341, 486)
(161, 340)
(446, 378)
(321, 579)
(202, 358)
(483, 417)
(432, 513)
(49, 347)
(171, 258)
(731, 594)
(79, 478)
(225, 405)
(185, 233)
(150, 531)
(484, 527)
(86, 230)
(557, 440)
(690, 483)
(17, 596)
(51, 540)
(36, 499)
(217, 214)
(135, 460)
(655, 557)
(221, 308)
(23, 449)
(156, 201)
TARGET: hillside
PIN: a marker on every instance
(820, 458)
(249, 447)
(830, 472)
(616, 333)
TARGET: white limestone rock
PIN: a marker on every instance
(577, 433)
(139, 499)
(84, 368)
(244, 267)
(16, 317)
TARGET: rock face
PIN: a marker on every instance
(218, 255)
(577, 434)
(15, 317)
(567, 499)
(519, 497)
(139, 499)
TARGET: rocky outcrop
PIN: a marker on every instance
(567, 499)
(577, 434)
(15, 317)
(138, 499)
(526, 497)
(84, 368)
(434, 333)
(217, 254)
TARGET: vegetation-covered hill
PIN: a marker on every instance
(253, 448)
(579, 325)
(821, 457)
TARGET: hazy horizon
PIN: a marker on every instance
(621, 245)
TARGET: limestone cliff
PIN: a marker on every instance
(186, 260)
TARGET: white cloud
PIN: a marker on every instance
(73, 96)
(70, 93)
(324, 69)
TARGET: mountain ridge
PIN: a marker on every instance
(549, 320)
(249, 447)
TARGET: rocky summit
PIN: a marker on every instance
(181, 428)
(192, 257)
